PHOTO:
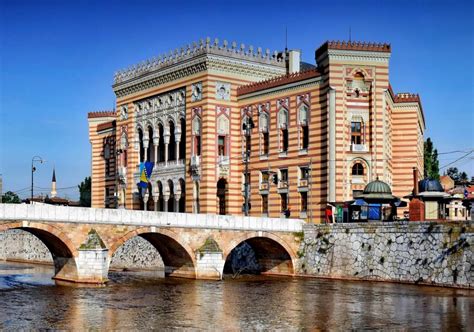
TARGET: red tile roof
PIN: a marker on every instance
(278, 81)
(353, 46)
(106, 125)
(101, 114)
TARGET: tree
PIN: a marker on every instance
(431, 160)
(10, 197)
(453, 173)
(458, 177)
(85, 192)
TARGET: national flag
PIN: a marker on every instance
(145, 172)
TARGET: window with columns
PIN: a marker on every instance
(283, 129)
(356, 132)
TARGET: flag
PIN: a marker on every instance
(145, 172)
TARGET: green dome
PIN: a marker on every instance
(377, 187)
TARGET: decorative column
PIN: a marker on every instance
(156, 198)
(177, 139)
(176, 202)
(167, 142)
(145, 199)
(165, 202)
(156, 142)
(145, 148)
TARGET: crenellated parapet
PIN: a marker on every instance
(407, 98)
(197, 57)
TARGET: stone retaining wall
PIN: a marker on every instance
(416, 252)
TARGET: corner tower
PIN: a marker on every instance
(359, 121)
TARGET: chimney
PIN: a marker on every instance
(293, 63)
(415, 182)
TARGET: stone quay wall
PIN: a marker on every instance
(135, 254)
(435, 253)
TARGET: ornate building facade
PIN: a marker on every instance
(313, 135)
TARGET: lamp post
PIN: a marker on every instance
(247, 127)
(33, 169)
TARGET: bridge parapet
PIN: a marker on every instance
(65, 214)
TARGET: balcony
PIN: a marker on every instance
(223, 160)
(359, 148)
(195, 161)
(283, 184)
(303, 182)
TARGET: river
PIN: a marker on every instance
(29, 299)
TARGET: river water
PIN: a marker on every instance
(29, 299)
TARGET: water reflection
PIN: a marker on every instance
(29, 299)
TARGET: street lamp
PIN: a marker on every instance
(247, 126)
(33, 169)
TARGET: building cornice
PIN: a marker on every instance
(348, 55)
(283, 88)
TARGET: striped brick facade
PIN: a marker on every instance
(312, 145)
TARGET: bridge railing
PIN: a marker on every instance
(65, 214)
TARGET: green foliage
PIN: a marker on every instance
(458, 177)
(431, 160)
(85, 192)
(10, 197)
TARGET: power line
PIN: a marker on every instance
(460, 158)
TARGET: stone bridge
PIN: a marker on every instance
(83, 240)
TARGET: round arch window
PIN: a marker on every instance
(357, 169)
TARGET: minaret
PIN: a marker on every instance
(53, 184)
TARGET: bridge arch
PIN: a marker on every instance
(274, 254)
(177, 256)
(58, 243)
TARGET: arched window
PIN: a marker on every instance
(140, 140)
(172, 143)
(197, 136)
(283, 126)
(303, 127)
(357, 169)
(182, 142)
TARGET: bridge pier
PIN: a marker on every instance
(209, 265)
(91, 267)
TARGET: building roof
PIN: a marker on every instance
(106, 125)
(100, 114)
(278, 81)
(378, 192)
(352, 46)
(430, 185)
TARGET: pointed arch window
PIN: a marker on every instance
(264, 124)
(283, 129)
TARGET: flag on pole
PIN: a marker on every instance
(145, 172)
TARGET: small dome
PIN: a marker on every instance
(377, 187)
(430, 185)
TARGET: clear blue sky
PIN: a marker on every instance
(58, 60)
